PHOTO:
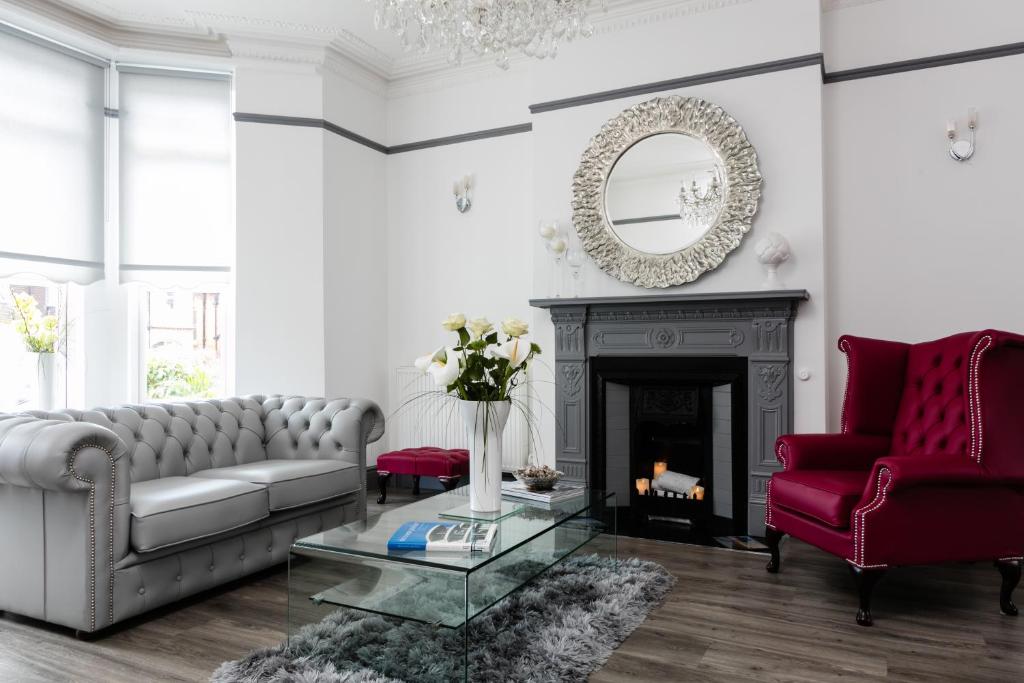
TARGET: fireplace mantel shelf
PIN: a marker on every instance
(656, 299)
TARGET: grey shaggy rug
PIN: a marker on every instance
(561, 627)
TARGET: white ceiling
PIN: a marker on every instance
(344, 25)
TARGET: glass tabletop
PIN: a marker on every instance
(525, 522)
(351, 566)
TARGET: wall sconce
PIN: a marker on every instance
(463, 190)
(962, 150)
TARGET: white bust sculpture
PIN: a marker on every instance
(772, 250)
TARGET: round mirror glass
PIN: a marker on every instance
(664, 193)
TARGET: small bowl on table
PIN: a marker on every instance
(538, 479)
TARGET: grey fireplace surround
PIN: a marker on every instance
(753, 325)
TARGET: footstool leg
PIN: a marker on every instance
(449, 483)
(416, 485)
(382, 482)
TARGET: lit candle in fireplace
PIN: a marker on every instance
(643, 486)
(660, 467)
(697, 492)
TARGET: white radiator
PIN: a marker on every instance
(422, 418)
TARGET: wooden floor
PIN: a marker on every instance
(726, 620)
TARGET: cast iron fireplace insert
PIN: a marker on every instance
(671, 421)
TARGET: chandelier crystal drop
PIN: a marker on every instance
(486, 27)
(699, 207)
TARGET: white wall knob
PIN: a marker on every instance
(804, 374)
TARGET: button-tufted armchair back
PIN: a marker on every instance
(178, 439)
(933, 415)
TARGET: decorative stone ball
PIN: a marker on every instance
(772, 249)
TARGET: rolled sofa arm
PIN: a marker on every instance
(59, 566)
(318, 428)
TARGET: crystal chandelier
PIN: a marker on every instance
(698, 207)
(486, 27)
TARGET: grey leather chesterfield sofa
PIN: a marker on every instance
(108, 513)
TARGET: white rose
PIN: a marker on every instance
(514, 327)
(479, 327)
(559, 245)
(454, 322)
(548, 230)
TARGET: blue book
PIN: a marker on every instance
(448, 536)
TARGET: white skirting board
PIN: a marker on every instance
(422, 418)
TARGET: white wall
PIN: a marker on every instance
(864, 34)
(441, 261)
(490, 261)
(921, 246)
(280, 260)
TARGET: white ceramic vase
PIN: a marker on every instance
(46, 375)
(485, 422)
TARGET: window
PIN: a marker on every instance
(120, 162)
(185, 343)
(52, 144)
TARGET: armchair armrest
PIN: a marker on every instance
(906, 472)
(58, 560)
(830, 451)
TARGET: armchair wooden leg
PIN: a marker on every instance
(866, 580)
(382, 483)
(773, 538)
(1010, 571)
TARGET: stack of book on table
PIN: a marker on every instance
(560, 493)
(444, 536)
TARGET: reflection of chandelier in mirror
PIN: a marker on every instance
(699, 206)
(482, 27)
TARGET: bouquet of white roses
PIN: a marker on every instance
(484, 365)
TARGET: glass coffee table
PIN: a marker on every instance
(350, 565)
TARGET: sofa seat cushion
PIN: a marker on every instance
(826, 495)
(292, 483)
(173, 510)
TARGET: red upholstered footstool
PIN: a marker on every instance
(448, 465)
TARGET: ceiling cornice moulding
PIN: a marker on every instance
(170, 37)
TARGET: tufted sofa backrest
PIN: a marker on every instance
(933, 416)
(178, 439)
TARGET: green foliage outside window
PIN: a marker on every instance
(170, 379)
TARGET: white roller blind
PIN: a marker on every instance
(175, 177)
(51, 161)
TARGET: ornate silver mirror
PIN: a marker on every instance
(665, 191)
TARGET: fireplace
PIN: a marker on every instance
(677, 355)
(686, 416)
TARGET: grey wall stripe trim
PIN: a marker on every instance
(51, 259)
(111, 113)
(384, 149)
(176, 269)
(462, 137)
(925, 63)
(816, 59)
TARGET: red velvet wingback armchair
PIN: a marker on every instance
(928, 467)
